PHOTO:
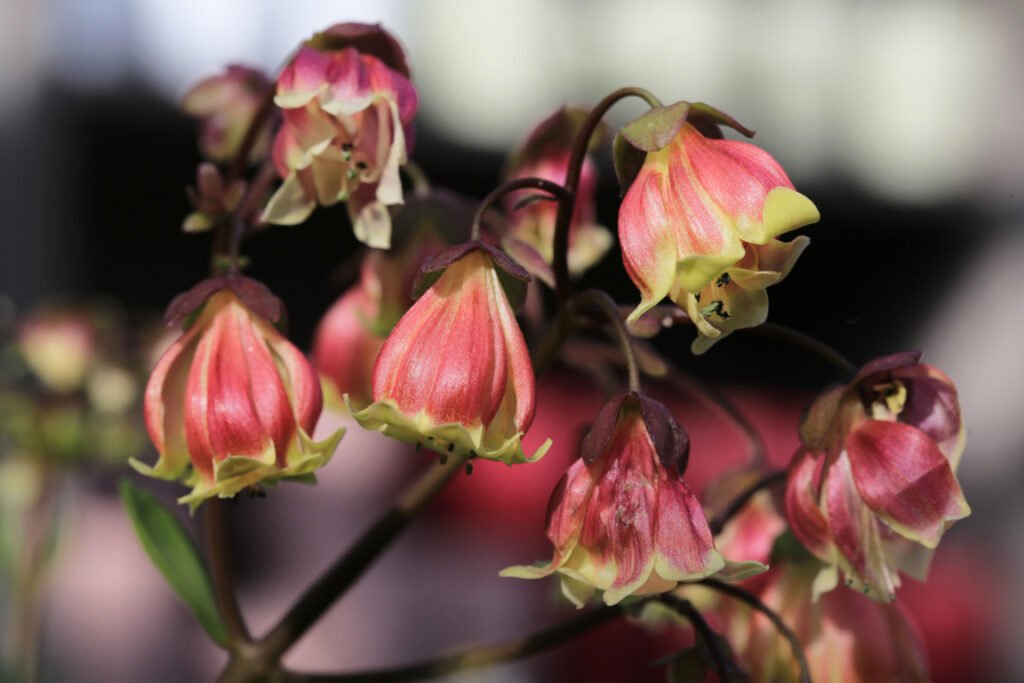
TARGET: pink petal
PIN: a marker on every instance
(682, 537)
(803, 510)
(904, 477)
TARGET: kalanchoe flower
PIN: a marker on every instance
(846, 637)
(873, 487)
(530, 236)
(455, 374)
(346, 345)
(348, 106)
(232, 399)
(700, 220)
(226, 105)
(621, 519)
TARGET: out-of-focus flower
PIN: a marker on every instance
(225, 105)
(232, 398)
(348, 107)
(345, 345)
(846, 637)
(873, 487)
(621, 519)
(59, 347)
(455, 374)
(211, 198)
(530, 236)
(700, 220)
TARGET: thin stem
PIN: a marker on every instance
(577, 156)
(686, 609)
(706, 392)
(417, 176)
(241, 159)
(769, 480)
(807, 343)
(752, 601)
(241, 218)
(554, 189)
(603, 301)
(470, 658)
(333, 583)
(218, 551)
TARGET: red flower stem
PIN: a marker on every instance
(554, 189)
(340, 576)
(806, 342)
(470, 658)
(215, 519)
(785, 631)
(577, 155)
(602, 300)
(776, 478)
(686, 610)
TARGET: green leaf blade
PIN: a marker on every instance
(175, 555)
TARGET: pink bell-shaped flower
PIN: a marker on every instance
(873, 487)
(455, 374)
(700, 220)
(621, 519)
(232, 403)
(348, 106)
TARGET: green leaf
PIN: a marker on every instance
(175, 555)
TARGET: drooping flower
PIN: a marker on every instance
(232, 403)
(873, 487)
(530, 236)
(225, 105)
(846, 637)
(700, 220)
(621, 519)
(455, 374)
(348, 106)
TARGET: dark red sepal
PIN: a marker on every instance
(671, 442)
(369, 39)
(256, 296)
(514, 277)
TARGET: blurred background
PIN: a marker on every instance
(901, 120)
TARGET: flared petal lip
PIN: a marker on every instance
(385, 416)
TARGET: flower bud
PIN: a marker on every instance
(621, 519)
(455, 374)
(226, 105)
(873, 487)
(700, 220)
(232, 399)
(348, 106)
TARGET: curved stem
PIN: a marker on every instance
(241, 219)
(417, 176)
(603, 301)
(554, 189)
(577, 156)
(470, 658)
(333, 583)
(807, 343)
(220, 566)
(686, 609)
(767, 481)
(252, 133)
(704, 391)
(752, 601)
